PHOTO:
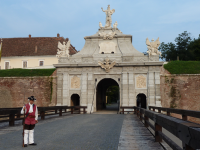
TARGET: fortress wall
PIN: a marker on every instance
(181, 92)
(14, 89)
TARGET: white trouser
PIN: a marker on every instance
(26, 136)
(31, 136)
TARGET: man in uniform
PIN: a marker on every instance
(31, 119)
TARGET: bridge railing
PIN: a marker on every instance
(13, 114)
(182, 112)
(187, 132)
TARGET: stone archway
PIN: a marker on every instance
(141, 100)
(102, 89)
(75, 100)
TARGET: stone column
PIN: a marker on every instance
(132, 101)
(66, 96)
(157, 89)
(90, 93)
(59, 89)
(83, 98)
(124, 89)
(151, 89)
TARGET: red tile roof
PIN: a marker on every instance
(32, 46)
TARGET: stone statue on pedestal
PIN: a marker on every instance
(153, 47)
(63, 49)
(108, 16)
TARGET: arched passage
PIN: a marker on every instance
(141, 101)
(75, 100)
(107, 92)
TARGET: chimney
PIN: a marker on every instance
(29, 35)
(58, 35)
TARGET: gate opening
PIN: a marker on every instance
(75, 100)
(107, 95)
(141, 101)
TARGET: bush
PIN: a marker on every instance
(26, 72)
(183, 67)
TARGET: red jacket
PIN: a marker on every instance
(31, 117)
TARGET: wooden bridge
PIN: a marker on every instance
(137, 124)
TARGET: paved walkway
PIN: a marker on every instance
(135, 136)
(83, 132)
(72, 132)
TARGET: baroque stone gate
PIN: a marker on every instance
(109, 54)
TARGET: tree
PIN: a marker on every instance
(184, 48)
(194, 48)
(113, 94)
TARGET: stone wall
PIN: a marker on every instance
(14, 89)
(180, 92)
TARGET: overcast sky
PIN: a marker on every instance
(75, 19)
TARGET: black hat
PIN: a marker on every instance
(32, 98)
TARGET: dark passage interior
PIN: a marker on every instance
(75, 100)
(107, 96)
(141, 101)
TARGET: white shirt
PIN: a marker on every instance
(31, 106)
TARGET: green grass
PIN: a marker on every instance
(183, 67)
(26, 72)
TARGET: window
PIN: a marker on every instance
(41, 63)
(24, 64)
(7, 64)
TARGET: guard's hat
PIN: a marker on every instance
(32, 98)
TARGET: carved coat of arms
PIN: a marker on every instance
(107, 65)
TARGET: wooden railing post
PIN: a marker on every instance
(168, 113)
(158, 128)
(79, 110)
(56, 111)
(122, 110)
(153, 109)
(42, 114)
(184, 117)
(71, 110)
(145, 121)
(18, 115)
(134, 110)
(159, 111)
(84, 110)
(60, 112)
(140, 115)
(11, 119)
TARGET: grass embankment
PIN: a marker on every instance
(183, 67)
(26, 72)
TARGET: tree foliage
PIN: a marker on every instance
(185, 47)
(113, 94)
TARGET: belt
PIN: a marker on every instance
(31, 116)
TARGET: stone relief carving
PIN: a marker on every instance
(153, 47)
(75, 82)
(107, 36)
(141, 81)
(107, 47)
(127, 58)
(108, 16)
(63, 49)
(107, 65)
(141, 59)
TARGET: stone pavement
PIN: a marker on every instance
(135, 136)
(70, 132)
